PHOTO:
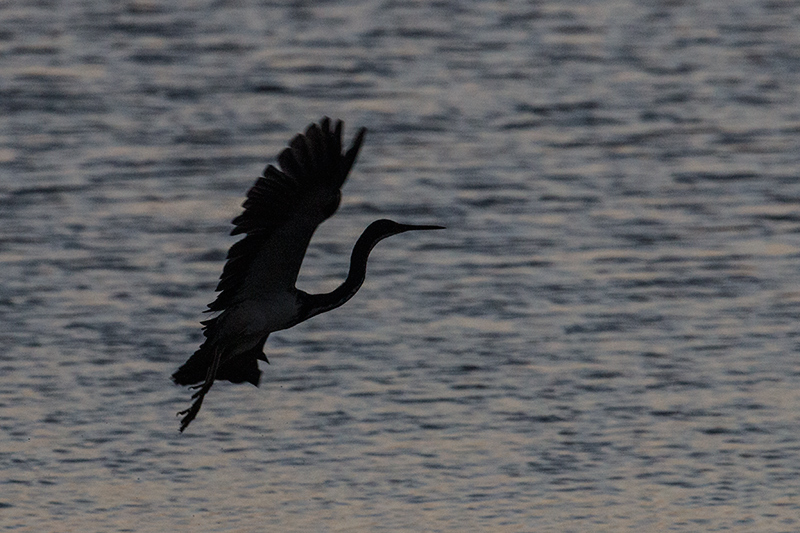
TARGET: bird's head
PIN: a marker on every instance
(380, 229)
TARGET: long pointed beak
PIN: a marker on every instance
(411, 227)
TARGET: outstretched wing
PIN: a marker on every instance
(282, 211)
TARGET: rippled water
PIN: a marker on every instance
(604, 339)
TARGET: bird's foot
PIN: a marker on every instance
(191, 412)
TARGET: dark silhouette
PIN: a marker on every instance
(258, 293)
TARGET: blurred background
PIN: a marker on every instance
(604, 338)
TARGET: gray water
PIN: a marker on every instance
(605, 338)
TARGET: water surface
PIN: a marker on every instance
(604, 339)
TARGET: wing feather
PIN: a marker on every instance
(281, 212)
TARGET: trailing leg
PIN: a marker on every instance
(198, 396)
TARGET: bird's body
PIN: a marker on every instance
(257, 287)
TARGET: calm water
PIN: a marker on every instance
(604, 339)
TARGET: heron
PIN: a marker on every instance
(257, 292)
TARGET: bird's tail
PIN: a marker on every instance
(240, 368)
(195, 369)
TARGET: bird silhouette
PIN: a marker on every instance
(257, 293)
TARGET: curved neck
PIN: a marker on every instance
(319, 303)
